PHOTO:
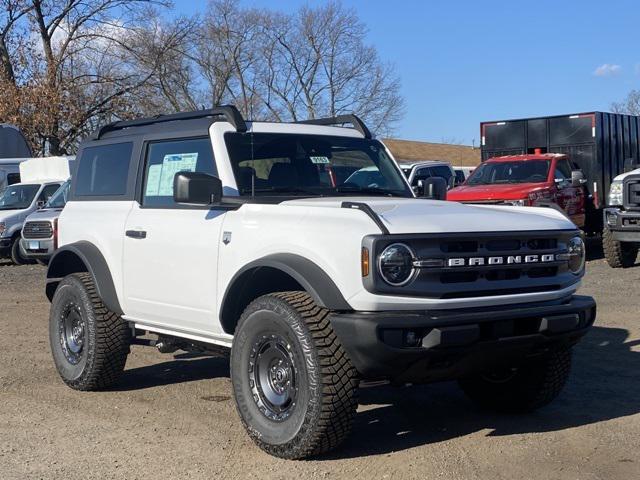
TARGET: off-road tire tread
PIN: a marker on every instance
(618, 254)
(541, 382)
(339, 385)
(113, 339)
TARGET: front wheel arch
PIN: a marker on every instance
(278, 273)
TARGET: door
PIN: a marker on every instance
(568, 197)
(171, 250)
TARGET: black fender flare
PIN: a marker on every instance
(315, 281)
(83, 256)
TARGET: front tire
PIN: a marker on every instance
(88, 342)
(618, 254)
(294, 386)
(17, 256)
(528, 387)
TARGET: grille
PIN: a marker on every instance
(632, 192)
(514, 262)
(34, 230)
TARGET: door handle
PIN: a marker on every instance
(139, 234)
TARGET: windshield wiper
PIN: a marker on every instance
(369, 191)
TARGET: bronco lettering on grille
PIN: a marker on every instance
(501, 260)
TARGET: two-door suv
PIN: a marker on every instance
(203, 232)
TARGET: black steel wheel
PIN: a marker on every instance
(294, 386)
(273, 376)
(88, 342)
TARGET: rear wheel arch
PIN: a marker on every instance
(80, 257)
(278, 273)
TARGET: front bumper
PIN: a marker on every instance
(5, 247)
(448, 344)
(625, 225)
(40, 249)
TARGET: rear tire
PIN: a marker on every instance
(294, 386)
(523, 389)
(618, 254)
(88, 342)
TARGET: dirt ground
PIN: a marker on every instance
(172, 416)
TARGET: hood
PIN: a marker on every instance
(44, 214)
(413, 215)
(7, 215)
(622, 176)
(506, 191)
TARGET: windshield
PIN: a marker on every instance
(530, 171)
(18, 197)
(269, 164)
(59, 198)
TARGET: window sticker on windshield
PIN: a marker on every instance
(319, 159)
(160, 176)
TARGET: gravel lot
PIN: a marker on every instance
(172, 416)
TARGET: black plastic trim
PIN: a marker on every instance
(315, 281)
(457, 349)
(370, 212)
(93, 262)
(228, 112)
(353, 119)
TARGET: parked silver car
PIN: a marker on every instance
(39, 232)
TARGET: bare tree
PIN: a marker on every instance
(630, 105)
(76, 63)
(312, 63)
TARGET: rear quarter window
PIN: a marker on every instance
(103, 170)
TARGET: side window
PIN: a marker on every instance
(165, 159)
(421, 174)
(104, 170)
(48, 191)
(563, 171)
(13, 178)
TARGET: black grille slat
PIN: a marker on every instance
(37, 230)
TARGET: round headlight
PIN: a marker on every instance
(396, 264)
(577, 254)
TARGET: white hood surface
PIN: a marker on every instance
(413, 215)
(622, 176)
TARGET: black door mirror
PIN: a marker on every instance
(196, 188)
(434, 188)
(577, 178)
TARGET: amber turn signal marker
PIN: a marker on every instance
(365, 261)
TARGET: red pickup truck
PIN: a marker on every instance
(541, 179)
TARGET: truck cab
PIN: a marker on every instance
(527, 180)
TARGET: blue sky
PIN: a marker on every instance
(461, 62)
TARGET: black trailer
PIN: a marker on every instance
(601, 144)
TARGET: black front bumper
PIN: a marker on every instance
(447, 344)
(624, 224)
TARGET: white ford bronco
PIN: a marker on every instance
(200, 231)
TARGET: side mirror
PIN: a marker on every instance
(196, 188)
(40, 203)
(577, 178)
(434, 188)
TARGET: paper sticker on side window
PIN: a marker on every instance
(319, 159)
(160, 176)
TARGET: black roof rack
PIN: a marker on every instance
(351, 118)
(229, 112)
